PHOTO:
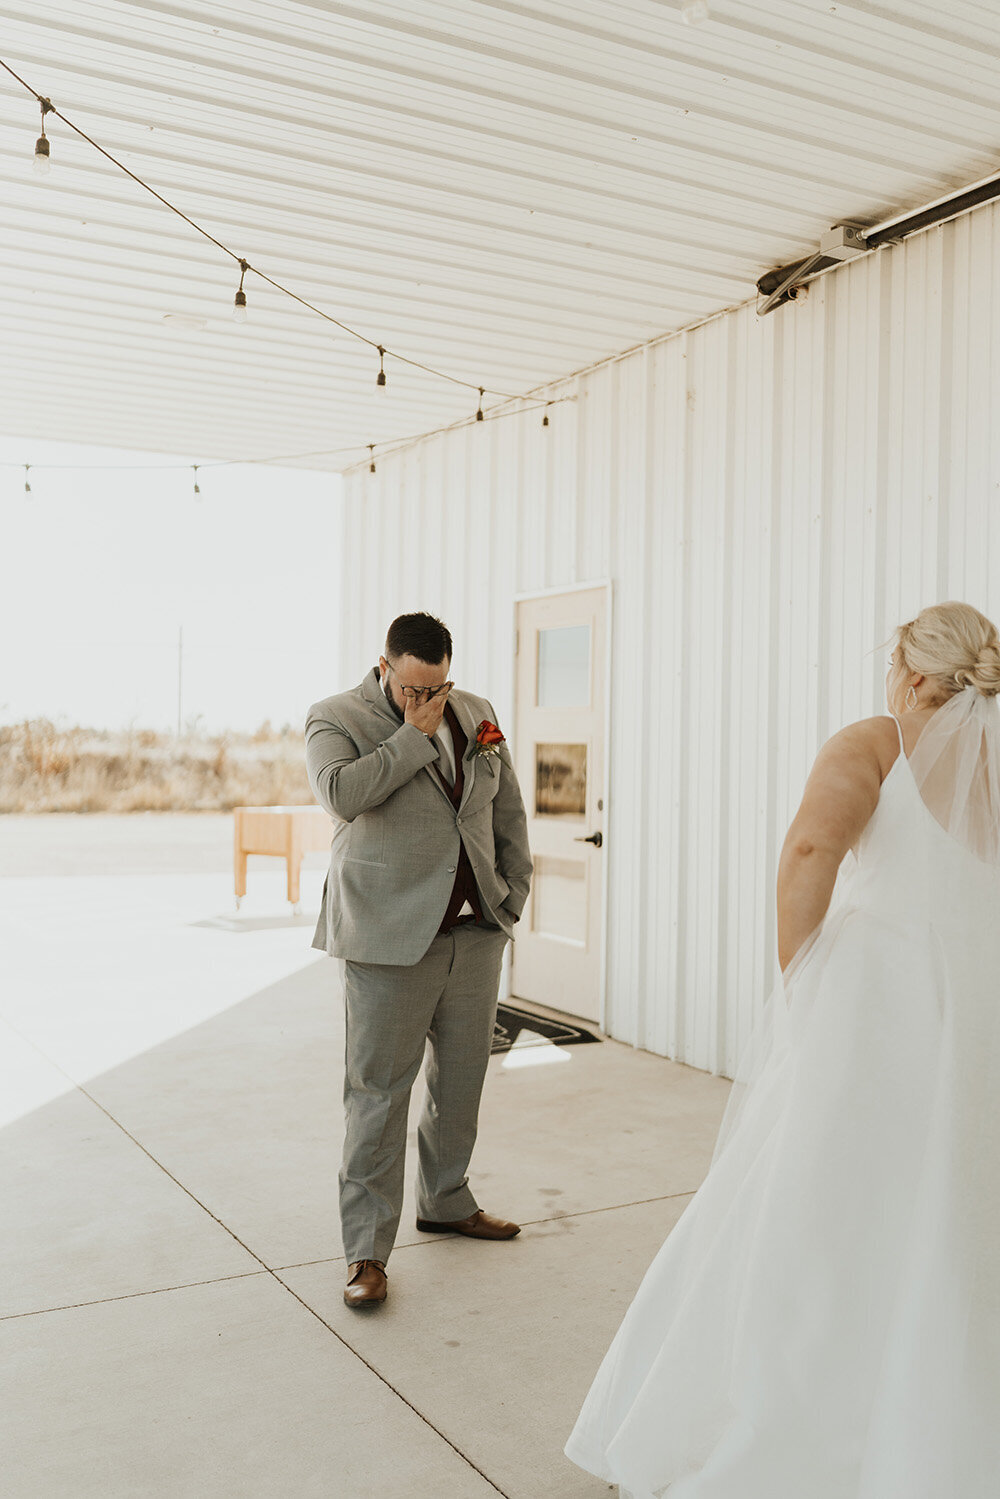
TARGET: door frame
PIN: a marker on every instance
(525, 597)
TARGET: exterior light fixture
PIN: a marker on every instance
(42, 162)
(240, 299)
(838, 243)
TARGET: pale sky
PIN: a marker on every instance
(99, 569)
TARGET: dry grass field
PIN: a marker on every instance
(47, 769)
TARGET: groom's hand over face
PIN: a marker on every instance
(427, 716)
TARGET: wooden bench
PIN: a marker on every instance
(283, 833)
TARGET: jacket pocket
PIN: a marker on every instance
(366, 840)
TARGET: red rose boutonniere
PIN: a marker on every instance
(488, 742)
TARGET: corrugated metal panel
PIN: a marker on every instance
(508, 190)
(769, 498)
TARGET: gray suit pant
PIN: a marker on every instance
(447, 1000)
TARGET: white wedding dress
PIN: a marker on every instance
(824, 1320)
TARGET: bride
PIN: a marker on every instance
(824, 1321)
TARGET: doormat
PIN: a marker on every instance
(510, 1022)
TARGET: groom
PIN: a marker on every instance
(429, 870)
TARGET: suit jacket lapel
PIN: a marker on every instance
(470, 760)
(371, 691)
(462, 766)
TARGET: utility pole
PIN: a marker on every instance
(180, 674)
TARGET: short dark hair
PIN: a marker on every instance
(421, 635)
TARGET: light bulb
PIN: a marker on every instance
(42, 162)
(479, 410)
(694, 11)
(240, 307)
(380, 377)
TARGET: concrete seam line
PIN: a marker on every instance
(187, 1285)
(390, 1386)
(276, 1278)
(612, 1207)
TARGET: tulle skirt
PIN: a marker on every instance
(824, 1320)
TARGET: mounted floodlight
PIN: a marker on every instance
(846, 241)
(842, 242)
(839, 243)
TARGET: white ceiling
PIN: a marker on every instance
(507, 191)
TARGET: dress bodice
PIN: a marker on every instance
(908, 868)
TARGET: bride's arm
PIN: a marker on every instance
(840, 796)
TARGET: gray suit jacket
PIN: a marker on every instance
(397, 835)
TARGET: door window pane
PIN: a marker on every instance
(559, 900)
(564, 667)
(560, 780)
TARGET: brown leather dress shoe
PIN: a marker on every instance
(366, 1283)
(479, 1226)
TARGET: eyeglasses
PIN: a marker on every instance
(419, 694)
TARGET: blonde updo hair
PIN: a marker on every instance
(954, 644)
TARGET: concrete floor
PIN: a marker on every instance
(171, 1321)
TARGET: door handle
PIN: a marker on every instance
(595, 838)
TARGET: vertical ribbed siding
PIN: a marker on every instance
(769, 498)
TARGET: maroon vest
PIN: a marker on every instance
(464, 888)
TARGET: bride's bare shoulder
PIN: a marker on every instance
(872, 739)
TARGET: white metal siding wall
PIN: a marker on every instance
(770, 497)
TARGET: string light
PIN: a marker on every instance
(42, 161)
(698, 10)
(240, 299)
(391, 446)
(693, 11)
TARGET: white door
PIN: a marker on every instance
(559, 755)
